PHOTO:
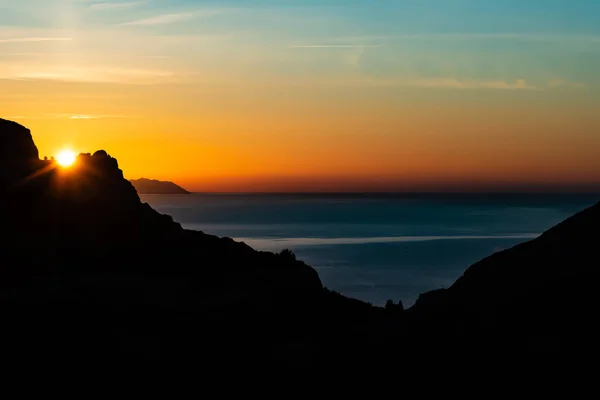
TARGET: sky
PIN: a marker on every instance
(307, 95)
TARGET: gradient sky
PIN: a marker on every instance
(279, 95)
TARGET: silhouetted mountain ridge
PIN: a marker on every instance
(113, 270)
(91, 275)
(535, 297)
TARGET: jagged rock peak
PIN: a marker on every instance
(16, 143)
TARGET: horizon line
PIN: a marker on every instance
(441, 192)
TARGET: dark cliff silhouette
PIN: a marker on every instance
(153, 186)
(539, 297)
(92, 276)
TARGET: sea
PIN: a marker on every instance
(376, 247)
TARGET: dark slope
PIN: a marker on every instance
(537, 297)
(153, 186)
(90, 274)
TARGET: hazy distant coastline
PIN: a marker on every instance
(153, 186)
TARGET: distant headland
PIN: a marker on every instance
(153, 186)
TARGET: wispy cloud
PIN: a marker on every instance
(354, 80)
(25, 54)
(90, 116)
(11, 78)
(333, 46)
(161, 19)
(67, 116)
(431, 83)
(177, 17)
(556, 83)
(86, 74)
(502, 36)
(115, 6)
(35, 39)
(79, 116)
(358, 39)
(449, 83)
(18, 117)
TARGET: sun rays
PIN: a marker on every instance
(66, 158)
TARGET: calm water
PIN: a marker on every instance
(376, 247)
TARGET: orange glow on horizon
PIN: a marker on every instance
(272, 98)
(293, 143)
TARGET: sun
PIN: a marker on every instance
(66, 158)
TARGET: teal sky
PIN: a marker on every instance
(455, 86)
(534, 43)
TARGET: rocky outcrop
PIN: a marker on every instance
(18, 153)
(91, 274)
(16, 143)
(91, 208)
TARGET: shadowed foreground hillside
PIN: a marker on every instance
(92, 275)
(90, 272)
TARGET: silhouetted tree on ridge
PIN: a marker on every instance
(287, 253)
